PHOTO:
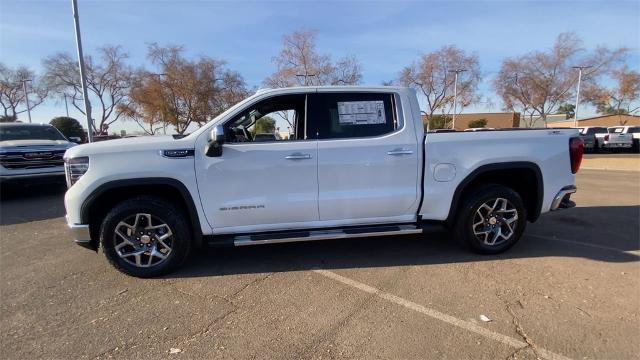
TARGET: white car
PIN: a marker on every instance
(359, 165)
(31, 152)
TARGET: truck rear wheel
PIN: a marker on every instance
(491, 220)
(145, 237)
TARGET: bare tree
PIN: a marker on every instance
(432, 76)
(108, 81)
(299, 64)
(188, 91)
(12, 95)
(542, 81)
(618, 100)
(146, 105)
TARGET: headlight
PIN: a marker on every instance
(74, 169)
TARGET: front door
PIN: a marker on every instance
(266, 177)
(367, 158)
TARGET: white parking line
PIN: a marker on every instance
(601, 247)
(466, 325)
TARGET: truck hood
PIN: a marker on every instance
(9, 145)
(134, 144)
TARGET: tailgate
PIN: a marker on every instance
(620, 138)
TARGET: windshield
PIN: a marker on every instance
(21, 132)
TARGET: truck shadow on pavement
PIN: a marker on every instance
(607, 234)
(20, 204)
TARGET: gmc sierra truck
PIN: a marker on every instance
(357, 163)
(31, 152)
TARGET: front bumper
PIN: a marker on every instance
(563, 198)
(45, 177)
(82, 236)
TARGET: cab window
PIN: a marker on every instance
(351, 115)
(279, 118)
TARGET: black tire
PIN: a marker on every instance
(463, 230)
(162, 212)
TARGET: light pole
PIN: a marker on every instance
(575, 111)
(66, 105)
(455, 95)
(164, 124)
(83, 81)
(26, 97)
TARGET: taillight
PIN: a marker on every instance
(606, 137)
(576, 149)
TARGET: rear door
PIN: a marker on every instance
(367, 157)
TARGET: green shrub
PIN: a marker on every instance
(69, 127)
(477, 123)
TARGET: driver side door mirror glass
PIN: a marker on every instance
(216, 140)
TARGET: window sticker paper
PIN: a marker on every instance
(361, 112)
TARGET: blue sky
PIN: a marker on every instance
(384, 35)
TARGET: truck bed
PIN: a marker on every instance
(453, 159)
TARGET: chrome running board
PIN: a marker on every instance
(329, 234)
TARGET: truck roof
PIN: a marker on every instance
(378, 88)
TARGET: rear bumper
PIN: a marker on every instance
(618, 145)
(82, 236)
(563, 199)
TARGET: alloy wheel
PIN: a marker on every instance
(495, 221)
(143, 240)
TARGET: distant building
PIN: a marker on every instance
(604, 120)
(535, 121)
(497, 120)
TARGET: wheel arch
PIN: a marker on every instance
(107, 195)
(529, 185)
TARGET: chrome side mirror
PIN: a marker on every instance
(216, 140)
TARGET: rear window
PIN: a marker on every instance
(634, 130)
(616, 130)
(21, 132)
(351, 115)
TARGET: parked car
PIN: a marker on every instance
(31, 152)
(359, 165)
(617, 139)
(593, 136)
(634, 131)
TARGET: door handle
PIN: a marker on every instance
(399, 151)
(298, 156)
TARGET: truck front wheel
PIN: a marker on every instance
(145, 237)
(491, 219)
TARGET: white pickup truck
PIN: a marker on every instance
(624, 137)
(617, 138)
(31, 153)
(356, 163)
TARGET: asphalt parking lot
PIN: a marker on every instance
(569, 289)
